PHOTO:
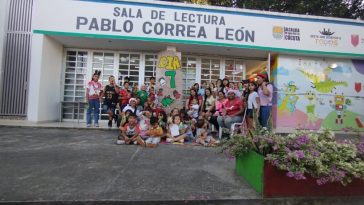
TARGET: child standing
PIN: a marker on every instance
(129, 134)
(155, 133)
(253, 104)
(93, 95)
(174, 133)
(201, 134)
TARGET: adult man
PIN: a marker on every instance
(111, 93)
(232, 111)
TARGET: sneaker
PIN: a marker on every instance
(141, 141)
(109, 124)
(169, 140)
(182, 141)
(96, 125)
(135, 142)
(120, 142)
(88, 125)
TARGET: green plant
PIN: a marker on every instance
(317, 154)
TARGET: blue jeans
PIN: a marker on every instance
(93, 107)
(264, 114)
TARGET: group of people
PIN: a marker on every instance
(142, 119)
(226, 103)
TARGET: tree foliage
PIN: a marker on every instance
(353, 9)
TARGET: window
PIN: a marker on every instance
(234, 70)
(189, 74)
(129, 66)
(74, 84)
(210, 70)
(150, 67)
(104, 62)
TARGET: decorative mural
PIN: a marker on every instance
(319, 92)
(169, 79)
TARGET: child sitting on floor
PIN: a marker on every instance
(174, 133)
(174, 111)
(201, 134)
(155, 133)
(162, 120)
(144, 123)
(129, 134)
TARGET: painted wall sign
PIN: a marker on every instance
(169, 79)
(154, 22)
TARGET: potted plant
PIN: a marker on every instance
(304, 163)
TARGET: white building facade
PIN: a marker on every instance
(312, 61)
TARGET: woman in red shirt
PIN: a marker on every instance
(232, 111)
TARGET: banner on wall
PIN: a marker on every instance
(169, 79)
(181, 23)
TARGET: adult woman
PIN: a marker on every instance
(193, 95)
(93, 95)
(218, 83)
(218, 108)
(265, 92)
(232, 111)
(213, 89)
(209, 102)
(225, 85)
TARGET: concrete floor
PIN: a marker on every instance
(85, 166)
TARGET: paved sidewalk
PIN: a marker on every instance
(52, 124)
(85, 166)
(70, 164)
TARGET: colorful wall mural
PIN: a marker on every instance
(169, 79)
(312, 93)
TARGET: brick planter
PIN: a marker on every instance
(271, 182)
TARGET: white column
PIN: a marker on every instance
(141, 70)
(45, 79)
(198, 70)
(4, 12)
(222, 68)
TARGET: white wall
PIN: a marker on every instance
(3, 22)
(45, 79)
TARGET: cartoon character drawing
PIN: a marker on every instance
(323, 83)
(167, 101)
(340, 106)
(162, 81)
(288, 99)
(310, 108)
(176, 94)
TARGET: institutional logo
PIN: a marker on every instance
(326, 38)
(286, 33)
(277, 32)
(327, 32)
(354, 40)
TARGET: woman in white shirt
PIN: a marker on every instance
(253, 104)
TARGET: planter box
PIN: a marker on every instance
(271, 182)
